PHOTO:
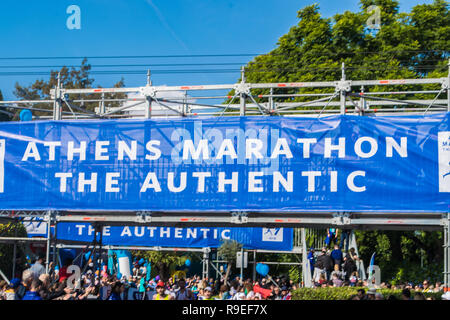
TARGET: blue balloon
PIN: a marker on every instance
(25, 115)
(141, 262)
(119, 276)
(262, 269)
(187, 262)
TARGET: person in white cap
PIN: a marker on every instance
(207, 294)
(446, 296)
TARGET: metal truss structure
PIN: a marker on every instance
(344, 96)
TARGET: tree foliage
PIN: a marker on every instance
(404, 255)
(345, 293)
(4, 114)
(73, 78)
(7, 249)
(408, 45)
(162, 261)
(227, 251)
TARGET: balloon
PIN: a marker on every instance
(141, 261)
(119, 276)
(25, 115)
(187, 262)
(262, 269)
(157, 278)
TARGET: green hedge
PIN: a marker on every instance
(344, 293)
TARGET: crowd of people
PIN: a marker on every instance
(36, 284)
(329, 268)
(337, 268)
(406, 294)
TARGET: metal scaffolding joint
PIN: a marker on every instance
(341, 218)
(143, 217)
(242, 88)
(239, 217)
(148, 91)
(343, 86)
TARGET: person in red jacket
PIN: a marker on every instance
(63, 275)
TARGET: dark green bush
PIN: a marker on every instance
(344, 293)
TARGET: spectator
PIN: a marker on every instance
(328, 263)
(224, 293)
(248, 290)
(406, 294)
(240, 294)
(353, 254)
(322, 279)
(419, 296)
(161, 292)
(336, 281)
(379, 296)
(371, 294)
(207, 294)
(312, 260)
(183, 293)
(33, 293)
(11, 289)
(285, 294)
(63, 275)
(234, 287)
(437, 287)
(276, 295)
(116, 291)
(362, 294)
(349, 267)
(336, 256)
(27, 278)
(38, 268)
(264, 284)
(446, 296)
(332, 234)
(320, 265)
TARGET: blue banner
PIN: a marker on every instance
(266, 164)
(196, 237)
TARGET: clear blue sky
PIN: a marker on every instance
(149, 27)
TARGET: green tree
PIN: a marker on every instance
(408, 45)
(5, 115)
(7, 249)
(162, 261)
(74, 78)
(227, 251)
(404, 255)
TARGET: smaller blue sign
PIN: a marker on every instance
(195, 237)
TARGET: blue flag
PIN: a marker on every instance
(372, 262)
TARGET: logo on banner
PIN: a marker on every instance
(272, 234)
(444, 161)
(35, 227)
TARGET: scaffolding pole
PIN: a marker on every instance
(47, 258)
(447, 253)
(205, 262)
(14, 256)
(448, 87)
